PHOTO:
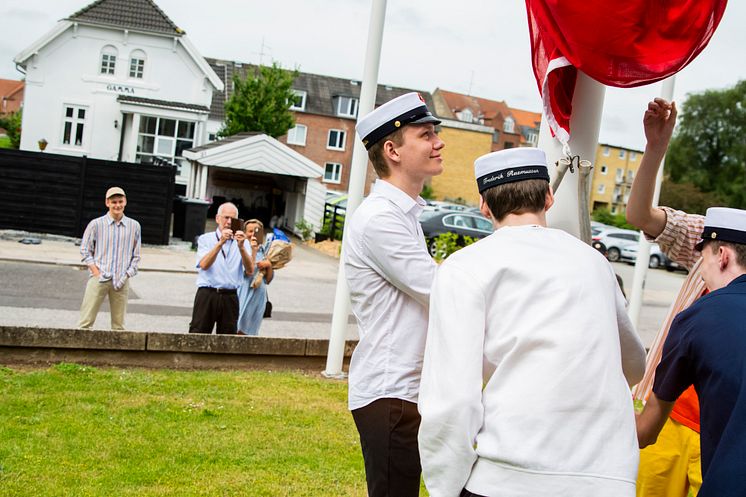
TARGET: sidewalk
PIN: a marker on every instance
(162, 293)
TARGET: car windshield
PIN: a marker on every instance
(427, 215)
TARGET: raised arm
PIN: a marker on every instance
(658, 121)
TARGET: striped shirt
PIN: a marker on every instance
(677, 241)
(114, 247)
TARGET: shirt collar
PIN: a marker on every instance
(398, 197)
(111, 220)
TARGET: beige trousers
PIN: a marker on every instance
(95, 291)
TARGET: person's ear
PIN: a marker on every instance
(549, 199)
(390, 150)
(484, 208)
(723, 257)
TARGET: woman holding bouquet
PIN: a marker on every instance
(252, 294)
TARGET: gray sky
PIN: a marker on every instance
(479, 47)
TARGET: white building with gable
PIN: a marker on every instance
(117, 80)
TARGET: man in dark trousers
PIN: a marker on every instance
(706, 347)
(222, 260)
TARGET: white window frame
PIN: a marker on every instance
(107, 62)
(630, 176)
(161, 141)
(294, 137)
(336, 171)
(338, 146)
(77, 125)
(533, 137)
(509, 125)
(632, 156)
(619, 174)
(601, 189)
(604, 169)
(302, 107)
(466, 115)
(350, 109)
(137, 62)
(606, 151)
(622, 153)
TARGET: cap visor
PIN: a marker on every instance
(426, 120)
(699, 245)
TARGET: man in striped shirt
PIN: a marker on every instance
(111, 249)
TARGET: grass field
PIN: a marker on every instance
(80, 431)
(4, 142)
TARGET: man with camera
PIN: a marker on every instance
(222, 260)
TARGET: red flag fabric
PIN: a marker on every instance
(623, 44)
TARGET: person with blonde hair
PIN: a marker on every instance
(252, 297)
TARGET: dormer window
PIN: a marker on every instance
(508, 125)
(346, 106)
(108, 60)
(137, 64)
(465, 115)
(298, 102)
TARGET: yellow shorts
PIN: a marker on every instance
(671, 467)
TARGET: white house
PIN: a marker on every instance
(117, 80)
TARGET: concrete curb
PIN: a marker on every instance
(83, 266)
(22, 345)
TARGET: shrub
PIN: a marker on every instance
(305, 228)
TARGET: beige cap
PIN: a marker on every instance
(114, 190)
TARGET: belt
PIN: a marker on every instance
(227, 291)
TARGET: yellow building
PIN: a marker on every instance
(614, 169)
(465, 142)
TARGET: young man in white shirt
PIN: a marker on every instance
(389, 273)
(529, 357)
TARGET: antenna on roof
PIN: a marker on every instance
(471, 81)
(261, 52)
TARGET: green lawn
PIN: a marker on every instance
(4, 142)
(79, 431)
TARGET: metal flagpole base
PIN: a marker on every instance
(334, 376)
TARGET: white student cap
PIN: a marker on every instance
(725, 224)
(507, 166)
(409, 108)
(114, 190)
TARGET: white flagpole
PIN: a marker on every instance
(335, 355)
(643, 250)
(585, 123)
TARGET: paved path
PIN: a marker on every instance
(42, 285)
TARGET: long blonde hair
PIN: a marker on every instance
(259, 232)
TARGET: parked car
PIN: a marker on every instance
(616, 239)
(435, 223)
(657, 258)
(438, 205)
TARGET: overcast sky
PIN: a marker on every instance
(479, 47)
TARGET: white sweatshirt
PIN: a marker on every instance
(536, 317)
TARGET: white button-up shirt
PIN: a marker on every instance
(389, 272)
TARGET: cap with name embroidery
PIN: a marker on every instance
(409, 108)
(507, 166)
(724, 224)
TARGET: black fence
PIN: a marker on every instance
(60, 194)
(334, 220)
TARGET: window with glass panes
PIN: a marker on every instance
(108, 60)
(73, 125)
(336, 140)
(164, 138)
(137, 67)
(333, 172)
(347, 106)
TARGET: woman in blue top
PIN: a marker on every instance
(252, 301)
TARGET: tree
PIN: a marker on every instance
(688, 197)
(260, 102)
(12, 125)
(709, 148)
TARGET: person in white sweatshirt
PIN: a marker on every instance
(529, 355)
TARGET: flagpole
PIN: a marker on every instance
(358, 171)
(585, 123)
(643, 249)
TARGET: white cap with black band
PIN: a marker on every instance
(724, 224)
(508, 166)
(409, 108)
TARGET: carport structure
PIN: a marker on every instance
(269, 178)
